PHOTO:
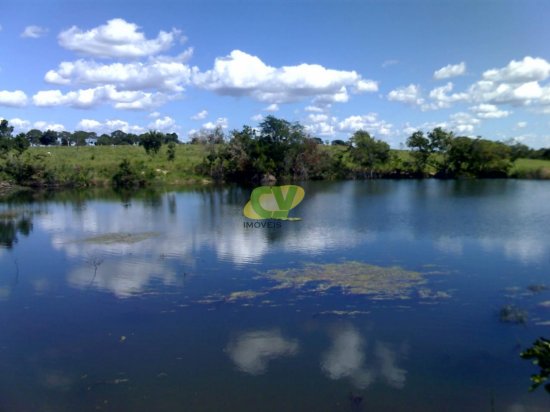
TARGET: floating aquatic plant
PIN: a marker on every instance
(352, 278)
(109, 238)
(513, 314)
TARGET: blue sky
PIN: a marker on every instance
(390, 67)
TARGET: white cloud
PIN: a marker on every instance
(489, 111)
(161, 73)
(409, 94)
(272, 108)
(108, 126)
(368, 122)
(165, 124)
(241, 74)
(521, 125)
(526, 70)
(117, 38)
(451, 70)
(365, 86)
(16, 98)
(20, 125)
(314, 109)
(154, 115)
(251, 352)
(200, 115)
(462, 122)
(257, 118)
(220, 122)
(41, 125)
(88, 98)
(325, 125)
(441, 99)
(34, 32)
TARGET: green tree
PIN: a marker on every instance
(151, 141)
(420, 150)
(367, 152)
(34, 136)
(48, 138)
(171, 151)
(20, 143)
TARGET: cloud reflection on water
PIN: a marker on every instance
(346, 358)
(252, 351)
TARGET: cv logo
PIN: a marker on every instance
(273, 202)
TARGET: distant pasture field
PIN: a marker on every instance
(100, 163)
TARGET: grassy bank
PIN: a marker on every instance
(96, 166)
(531, 169)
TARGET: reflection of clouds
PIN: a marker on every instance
(523, 248)
(450, 245)
(252, 351)
(122, 278)
(389, 371)
(346, 359)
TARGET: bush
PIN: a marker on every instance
(128, 175)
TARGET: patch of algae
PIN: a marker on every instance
(110, 238)
(351, 277)
(244, 294)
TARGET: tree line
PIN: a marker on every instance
(36, 137)
(285, 150)
(281, 150)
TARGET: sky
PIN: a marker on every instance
(474, 67)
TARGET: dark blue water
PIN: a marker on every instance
(124, 303)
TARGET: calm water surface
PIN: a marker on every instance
(118, 303)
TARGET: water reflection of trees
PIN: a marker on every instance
(12, 226)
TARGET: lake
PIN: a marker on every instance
(385, 296)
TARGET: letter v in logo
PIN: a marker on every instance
(273, 202)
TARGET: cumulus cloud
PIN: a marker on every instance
(220, 122)
(368, 122)
(166, 74)
(324, 125)
(108, 126)
(16, 98)
(451, 70)
(462, 122)
(272, 108)
(241, 74)
(42, 125)
(165, 124)
(252, 351)
(521, 125)
(116, 38)
(22, 125)
(442, 98)
(489, 111)
(88, 98)
(200, 115)
(410, 94)
(526, 70)
(34, 32)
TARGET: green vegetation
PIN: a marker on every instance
(276, 151)
(540, 354)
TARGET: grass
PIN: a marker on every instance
(531, 169)
(96, 166)
(101, 162)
